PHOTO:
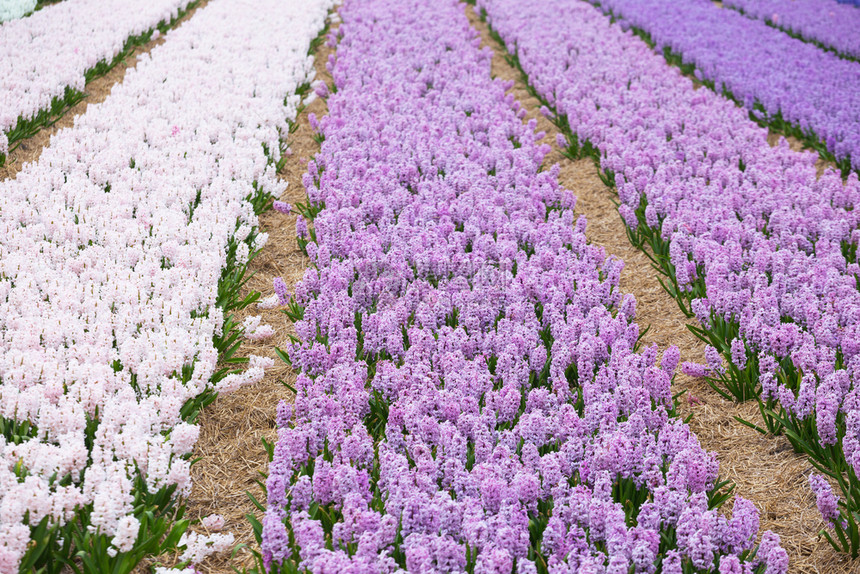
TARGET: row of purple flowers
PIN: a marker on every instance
(784, 82)
(830, 25)
(471, 394)
(752, 242)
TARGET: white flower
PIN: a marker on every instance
(198, 546)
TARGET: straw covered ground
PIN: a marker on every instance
(230, 446)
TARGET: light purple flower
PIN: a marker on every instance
(827, 502)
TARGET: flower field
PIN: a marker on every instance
(320, 286)
(804, 20)
(47, 66)
(788, 84)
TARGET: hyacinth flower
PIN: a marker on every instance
(837, 516)
(14, 9)
(472, 395)
(821, 22)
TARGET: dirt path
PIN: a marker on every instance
(765, 469)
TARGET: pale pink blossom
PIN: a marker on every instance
(269, 302)
(198, 546)
(255, 331)
(126, 533)
(213, 522)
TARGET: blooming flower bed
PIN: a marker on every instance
(831, 25)
(13, 9)
(48, 57)
(470, 396)
(751, 242)
(789, 84)
(124, 249)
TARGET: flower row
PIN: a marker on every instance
(752, 242)
(122, 255)
(825, 22)
(790, 84)
(48, 57)
(14, 9)
(470, 396)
